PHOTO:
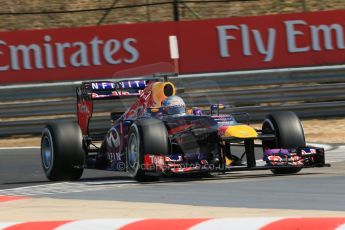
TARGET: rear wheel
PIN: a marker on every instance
(289, 134)
(62, 151)
(146, 136)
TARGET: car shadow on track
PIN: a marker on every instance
(219, 177)
(94, 181)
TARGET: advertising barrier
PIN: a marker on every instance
(216, 45)
(261, 42)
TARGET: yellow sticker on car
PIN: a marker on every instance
(240, 131)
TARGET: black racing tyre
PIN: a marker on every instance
(145, 136)
(62, 152)
(289, 134)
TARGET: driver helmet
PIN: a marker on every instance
(174, 105)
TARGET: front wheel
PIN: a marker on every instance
(289, 133)
(146, 136)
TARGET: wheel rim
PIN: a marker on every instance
(268, 127)
(133, 151)
(47, 152)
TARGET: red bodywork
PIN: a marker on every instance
(84, 112)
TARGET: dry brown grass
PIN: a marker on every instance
(188, 11)
(325, 131)
(20, 142)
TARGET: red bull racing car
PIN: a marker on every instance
(160, 135)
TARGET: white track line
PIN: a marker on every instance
(13, 148)
(67, 187)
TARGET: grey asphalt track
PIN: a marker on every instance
(317, 188)
(22, 167)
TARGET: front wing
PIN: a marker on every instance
(306, 157)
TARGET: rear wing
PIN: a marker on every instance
(99, 90)
(103, 90)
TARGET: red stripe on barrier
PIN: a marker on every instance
(166, 224)
(12, 198)
(42, 225)
(305, 224)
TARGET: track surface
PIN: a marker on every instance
(313, 189)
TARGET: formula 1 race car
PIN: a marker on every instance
(159, 135)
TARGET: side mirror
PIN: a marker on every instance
(215, 108)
